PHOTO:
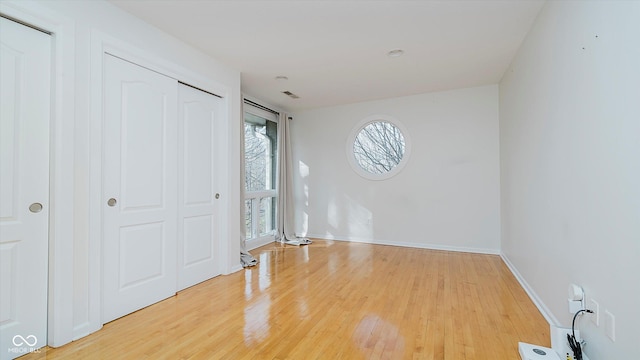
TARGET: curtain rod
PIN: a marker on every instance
(261, 107)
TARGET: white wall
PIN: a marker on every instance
(570, 165)
(81, 29)
(446, 197)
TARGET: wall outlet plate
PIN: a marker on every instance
(595, 307)
(610, 325)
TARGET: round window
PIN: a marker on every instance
(377, 148)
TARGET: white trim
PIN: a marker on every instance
(133, 54)
(356, 131)
(235, 268)
(269, 116)
(61, 218)
(255, 196)
(544, 310)
(84, 329)
(259, 241)
(405, 244)
(102, 43)
(259, 194)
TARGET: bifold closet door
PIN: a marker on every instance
(198, 228)
(25, 108)
(139, 187)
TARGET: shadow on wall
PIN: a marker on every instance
(344, 215)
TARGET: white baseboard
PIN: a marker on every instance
(544, 310)
(256, 243)
(234, 268)
(411, 245)
(82, 330)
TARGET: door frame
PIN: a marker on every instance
(61, 163)
(74, 299)
(101, 44)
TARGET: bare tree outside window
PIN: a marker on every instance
(255, 157)
(379, 147)
(260, 150)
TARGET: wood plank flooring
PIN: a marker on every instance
(332, 300)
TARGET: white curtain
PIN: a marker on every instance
(285, 232)
(246, 259)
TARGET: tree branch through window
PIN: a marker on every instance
(379, 147)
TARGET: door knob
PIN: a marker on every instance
(112, 202)
(35, 207)
(217, 195)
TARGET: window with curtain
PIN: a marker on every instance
(260, 151)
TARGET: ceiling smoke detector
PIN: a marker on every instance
(291, 95)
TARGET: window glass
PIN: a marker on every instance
(266, 223)
(260, 155)
(248, 219)
(379, 147)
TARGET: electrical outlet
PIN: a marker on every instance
(610, 325)
(595, 307)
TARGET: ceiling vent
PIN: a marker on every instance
(291, 95)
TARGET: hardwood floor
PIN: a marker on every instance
(332, 300)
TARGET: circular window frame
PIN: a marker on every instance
(352, 138)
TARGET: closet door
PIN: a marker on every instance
(25, 91)
(139, 187)
(199, 113)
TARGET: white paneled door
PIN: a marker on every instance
(25, 66)
(139, 187)
(197, 184)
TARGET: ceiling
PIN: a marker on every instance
(335, 52)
